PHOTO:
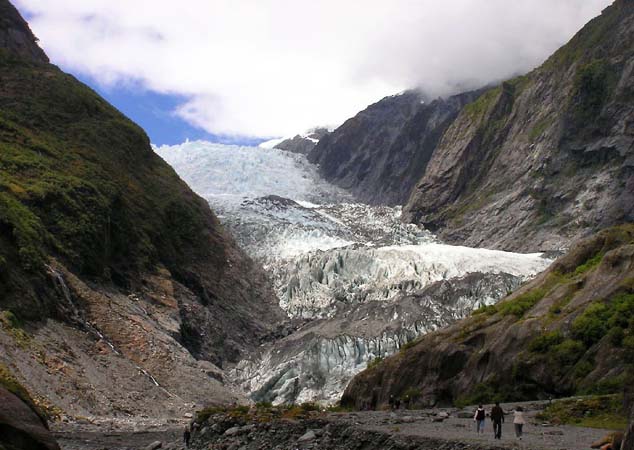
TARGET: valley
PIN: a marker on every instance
(356, 283)
(359, 286)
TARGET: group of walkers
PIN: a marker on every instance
(497, 417)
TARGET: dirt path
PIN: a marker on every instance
(422, 429)
(421, 424)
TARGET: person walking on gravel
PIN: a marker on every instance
(479, 417)
(497, 417)
(187, 436)
(518, 422)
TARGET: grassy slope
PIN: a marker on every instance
(79, 181)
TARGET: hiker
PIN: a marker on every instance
(518, 422)
(187, 436)
(479, 417)
(497, 417)
(392, 402)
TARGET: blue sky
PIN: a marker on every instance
(154, 112)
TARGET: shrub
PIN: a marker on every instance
(592, 325)
(487, 310)
(597, 412)
(615, 336)
(521, 304)
(589, 264)
(543, 343)
(374, 362)
(567, 352)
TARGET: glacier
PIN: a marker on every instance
(355, 282)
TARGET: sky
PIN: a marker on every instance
(246, 70)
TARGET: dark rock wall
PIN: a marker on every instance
(544, 158)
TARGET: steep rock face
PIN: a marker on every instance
(382, 152)
(566, 332)
(303, 144)
(545, 158)
(84, 199)
(16, 37)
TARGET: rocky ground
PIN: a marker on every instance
(424, 429)
(296, 428)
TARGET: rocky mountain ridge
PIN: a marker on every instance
(545, 158)
(120, 292)
(381, 153)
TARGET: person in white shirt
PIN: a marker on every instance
(518, 421)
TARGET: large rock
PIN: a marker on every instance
(20, 427)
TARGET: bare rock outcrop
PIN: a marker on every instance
(545, 158)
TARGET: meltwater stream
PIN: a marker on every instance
(361, 282)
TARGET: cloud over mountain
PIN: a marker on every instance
(267, 68)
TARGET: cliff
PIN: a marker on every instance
(382, 152)
(545, 158)
(109, 263)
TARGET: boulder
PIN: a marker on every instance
(232, 431)
(20, 427)
(154, 445)
(308, 436)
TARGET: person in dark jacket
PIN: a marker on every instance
(187, 436)
(497, 417)
(479, 417)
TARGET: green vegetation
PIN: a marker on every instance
(79, 181)
(593, 87)
(605, 411)
(13, 326)
(589, 264)
(11, 384)
(539, 128)
(614, 318)
(522, 303)
(476, 109)
(374, 362)
(264, 412)
(591, 40)
(544, 342)
(486, 310)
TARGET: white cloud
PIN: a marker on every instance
(275, 67)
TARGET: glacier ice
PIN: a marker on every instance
(359, 281)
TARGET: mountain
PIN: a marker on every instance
(567, 332)
(382, 152)
(303, 143)
(541, 159)
(116, 280)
